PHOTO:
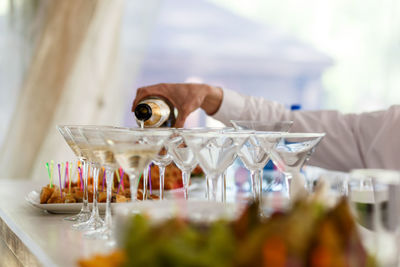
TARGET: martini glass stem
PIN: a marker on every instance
(134, 183)
(260, 173)
(145, 181)
(213, 184)
(185, 181)
(94, 222)
(223, 187)
(254, 183)
(207, 188)
(287, 181)
(95, 209)
(109, 181)
(84, 213)
(85, 206)
(162, 173)
(100, 229)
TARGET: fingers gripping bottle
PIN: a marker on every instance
(155, 112)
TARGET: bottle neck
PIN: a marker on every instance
(152, 112)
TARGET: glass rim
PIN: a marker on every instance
(204, 129)
(268, 133)
(89, 126)
(262, 121)
(302, 135)
(221, 134)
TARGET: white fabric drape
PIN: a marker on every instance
(73, 78)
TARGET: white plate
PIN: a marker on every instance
(33, 198)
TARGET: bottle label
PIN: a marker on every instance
(160, 112)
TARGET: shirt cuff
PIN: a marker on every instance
(231, 107)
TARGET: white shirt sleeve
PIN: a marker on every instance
(365, 140)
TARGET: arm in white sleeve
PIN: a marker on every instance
(365, 140)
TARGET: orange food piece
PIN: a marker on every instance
(45, 194)
(121, 198)
(78, 195)
(55, 197)
(172, 178)
(102, 197)
(115, 259)
(68, 198)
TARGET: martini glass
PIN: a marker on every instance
(84, 214)
(183, 157)
(252, 154)
(255, 153)
(212, 129)
(94, 221)
(162, 159)
(289, 156)
(215, 151)
(102, 156)
(134, 150)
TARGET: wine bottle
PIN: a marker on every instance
(155, 112)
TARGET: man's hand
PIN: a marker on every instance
(186, 97)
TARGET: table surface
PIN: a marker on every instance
(36, 237)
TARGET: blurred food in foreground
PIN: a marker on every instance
(309, 234)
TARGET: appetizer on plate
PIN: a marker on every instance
(73, 193)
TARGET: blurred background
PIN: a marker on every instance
(80, 61)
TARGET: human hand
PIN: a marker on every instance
(186, 97)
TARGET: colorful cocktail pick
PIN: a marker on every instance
(119, 181)
(51, 172)
(59, 179)
(48, 172)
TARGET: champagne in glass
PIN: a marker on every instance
(84, 214)
(105, 157)
(184, 158)
(134, 150)
(94, 221)
(162, 159)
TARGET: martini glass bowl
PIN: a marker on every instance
(162, 159)
(94, 221)
(183, 157)
(134, 149)
(252, 154)
(215, 150)
(84, 214)
(105, 157)
(290, 154)
(255, 153)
